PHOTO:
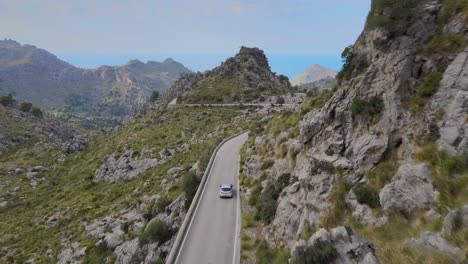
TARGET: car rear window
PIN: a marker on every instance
(225, 189)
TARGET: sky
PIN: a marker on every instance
(199, 33)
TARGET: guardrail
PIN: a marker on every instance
(172, 257)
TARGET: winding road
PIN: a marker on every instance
(213, 235)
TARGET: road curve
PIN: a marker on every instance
(213, 234)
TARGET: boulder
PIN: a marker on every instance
(431, 216)
(452, 221)
(174, 172)
(411, 189)
(19, 171)
(39, 169)
(125, 251)
(430, 242)
(351, 248)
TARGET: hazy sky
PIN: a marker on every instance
(128, 27)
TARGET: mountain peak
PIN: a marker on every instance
(314, 73)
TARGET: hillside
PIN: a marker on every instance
(105, 201)
(313, 74)
(375, 170)
(37, 76)
(246, 77)
(27, 125)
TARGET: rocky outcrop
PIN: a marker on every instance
(247, 76)
(452, 97)
(454, 220)
(351, 248)
(430, 242)
(115, 232)
(125, 167)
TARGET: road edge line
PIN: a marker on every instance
(184, 228)
(238, 215)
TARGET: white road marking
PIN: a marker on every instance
(237, 212)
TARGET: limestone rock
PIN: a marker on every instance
(124, 168)
(452, 221)
(351, 248)
(412, 189)
(430, 242)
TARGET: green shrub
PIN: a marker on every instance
(445, 43)
(450, 173)
(307, 231)
(452, 7)
(36, 112)
(354, 64)
(394, 16)
(254, 195)
(320, 253)
(335, 216)
(381, 175)
(267, 255)
(427, 89)
(25, 106)
(96, 253)
(373, 106)
(280, 100)
(190, 182)
(318, 101)
(267, 164)
(156, 231)
(161, 204)
(247, 220)
(430, 85)
(366, 195)
(154, 96)
(7, 100)
(266, 207)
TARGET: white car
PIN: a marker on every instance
(225, 191)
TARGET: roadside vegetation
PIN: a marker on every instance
(69, 187)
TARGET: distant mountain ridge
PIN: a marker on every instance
(35, 75)
(312, 74)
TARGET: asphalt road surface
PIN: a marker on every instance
(214, 234)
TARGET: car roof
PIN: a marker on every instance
(226, 185)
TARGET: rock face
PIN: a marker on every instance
(342, 143)
(350, 246)
(452, 96)
(125, 167)
(42, 74)
(246, 77)
(312, 74)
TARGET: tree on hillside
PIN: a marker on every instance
(7, 99)
(36, 112)
(154, 96)
(25, 106)
(280, 100)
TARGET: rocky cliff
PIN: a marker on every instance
(385, 151)
(35, 75)
(246, 77)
